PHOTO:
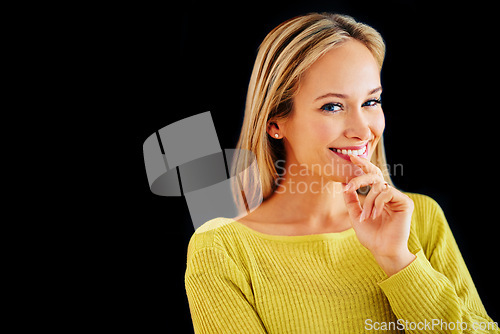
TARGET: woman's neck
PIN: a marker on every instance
(310, 199)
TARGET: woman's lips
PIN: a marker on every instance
(343, 152)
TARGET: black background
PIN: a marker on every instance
(440, 102)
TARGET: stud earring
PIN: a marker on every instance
(276, 135)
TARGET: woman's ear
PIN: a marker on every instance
(273, 130)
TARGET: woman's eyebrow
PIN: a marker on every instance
(376, 90)
(344, 96)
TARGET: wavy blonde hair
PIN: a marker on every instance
(284, 55)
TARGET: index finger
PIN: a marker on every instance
(365, 165)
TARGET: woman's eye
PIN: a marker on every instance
(372, 103)
(332, 107)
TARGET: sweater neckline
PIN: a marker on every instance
(296, 238)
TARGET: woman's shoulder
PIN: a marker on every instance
(428, 219)
(422, 202)
(424, 206)
(214, 234)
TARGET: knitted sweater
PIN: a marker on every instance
(239, 280)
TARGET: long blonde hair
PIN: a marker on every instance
(284, 55)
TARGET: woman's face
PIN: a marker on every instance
(336, 109)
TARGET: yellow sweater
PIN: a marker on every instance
(241, 281)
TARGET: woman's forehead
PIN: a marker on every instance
(349, 69)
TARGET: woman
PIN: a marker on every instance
(318, 256)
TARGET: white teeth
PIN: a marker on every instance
(353, 152)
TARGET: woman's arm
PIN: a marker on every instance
(421, 288)
(220, 298)
(436, 291)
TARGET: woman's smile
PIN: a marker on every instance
(344, 152)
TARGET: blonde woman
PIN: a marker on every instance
(318, 256)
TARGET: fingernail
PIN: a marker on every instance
(374, 213)
(347, 187)
(362, 217)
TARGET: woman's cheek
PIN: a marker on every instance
(325, 133)
(378, 124)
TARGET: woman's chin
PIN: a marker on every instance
(348, 173)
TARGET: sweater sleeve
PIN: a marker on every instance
(220, 297)
(435, 293)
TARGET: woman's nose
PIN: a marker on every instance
(357, 125)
